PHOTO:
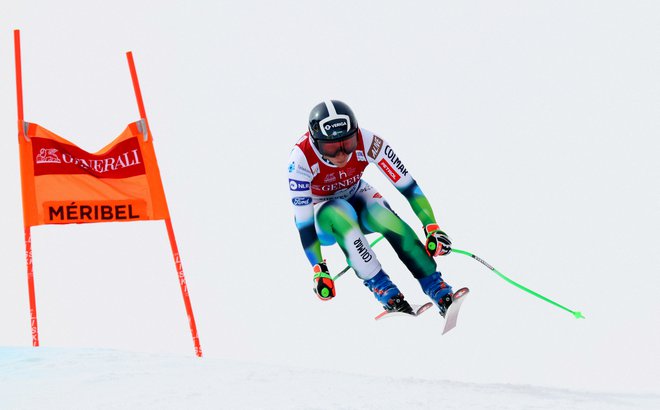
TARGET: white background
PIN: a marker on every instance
(532, 127)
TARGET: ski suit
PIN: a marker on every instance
(335, 205)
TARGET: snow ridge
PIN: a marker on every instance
(57, 378)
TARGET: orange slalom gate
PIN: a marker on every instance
(63, 184)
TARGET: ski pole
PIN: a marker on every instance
(349, 266)
(578, 315)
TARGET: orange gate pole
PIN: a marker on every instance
(28, 236)
(168, 221)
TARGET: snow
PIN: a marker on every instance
(66, 378)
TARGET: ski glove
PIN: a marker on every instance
(437, 242)
(324, 286)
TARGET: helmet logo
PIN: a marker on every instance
(328, 127)
(332, 126)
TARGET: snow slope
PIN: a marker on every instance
(57, 378)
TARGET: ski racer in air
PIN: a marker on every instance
(333, 204)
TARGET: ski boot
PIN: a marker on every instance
(438, 290)
(387, 293)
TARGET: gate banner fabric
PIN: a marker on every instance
(65, 184)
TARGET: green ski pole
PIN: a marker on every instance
(577, 315)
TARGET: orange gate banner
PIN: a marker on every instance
(65, 184)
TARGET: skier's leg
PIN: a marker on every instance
(338, 220)
(375, 215)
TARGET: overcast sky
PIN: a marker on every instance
(532, 127)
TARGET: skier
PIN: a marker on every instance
(333, 204)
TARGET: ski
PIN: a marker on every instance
(417, 310)
(452, 313)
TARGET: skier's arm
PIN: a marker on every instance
(418, 202)
(308, 238)
(300, 190)
(389, 163)
(380, 152)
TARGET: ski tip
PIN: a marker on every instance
(578, 315)
(423, 308)
(460, 293)
(381, 315)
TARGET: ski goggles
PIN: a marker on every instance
(332, 148)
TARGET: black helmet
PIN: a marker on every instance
(332, 120)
